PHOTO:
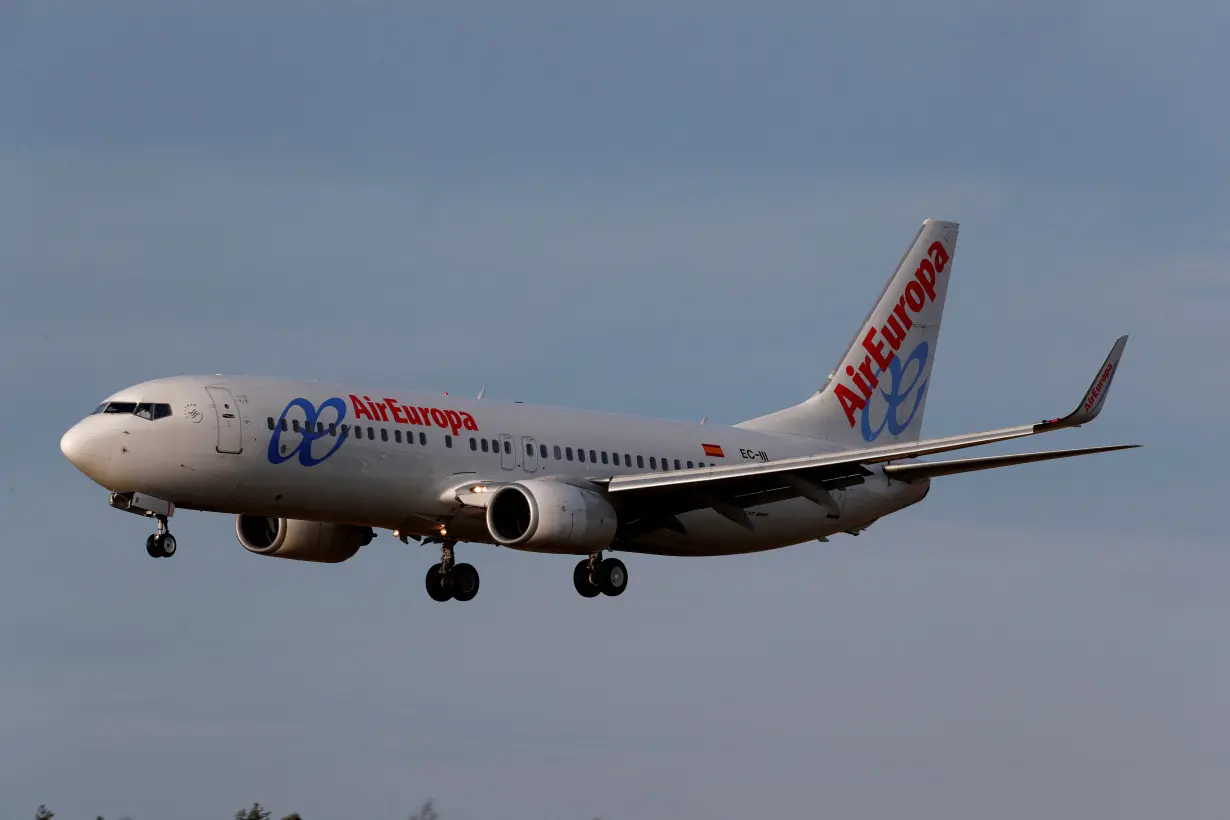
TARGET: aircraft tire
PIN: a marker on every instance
(612, 577)
(580, 580)
(437, 586)
(151, 546)
(463, 581)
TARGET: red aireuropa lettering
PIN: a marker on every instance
(849, 401)
(1097, 388)
(881, 343)
(395, 410)
(390, 410)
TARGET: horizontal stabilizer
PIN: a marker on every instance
(932, 469)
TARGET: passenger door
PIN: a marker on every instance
(508, 453)
(230, 425)
(529, 458)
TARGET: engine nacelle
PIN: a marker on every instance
(301, 540)
(550, 516)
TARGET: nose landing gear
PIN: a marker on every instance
(161, 544)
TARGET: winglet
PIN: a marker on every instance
(1095, 397)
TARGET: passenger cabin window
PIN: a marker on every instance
(397, 436)
(604, 461)
(568, 453)
(295, 425)
(473, 443)
(593, 457)
(333, 429)
(580, 455)
(384, 434)
(677, 467)
(371, 434)
(627, 460)
(653, 463)
(542, 451)
(485, 448)
(507, 446)
(423, 439)
(558, 455)
(448, 441)
(529, 449)
(358, 431)
(689, 465)
(640, 461)
(271, 424)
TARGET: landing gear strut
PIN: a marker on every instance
(448, 580)
(596, 575)
(161, 544)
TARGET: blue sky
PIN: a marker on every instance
(672, 210)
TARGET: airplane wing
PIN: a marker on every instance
(729, 489)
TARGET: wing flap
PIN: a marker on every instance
(933, 469)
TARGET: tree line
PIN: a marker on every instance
(258, 812)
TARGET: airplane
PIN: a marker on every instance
(311, 470)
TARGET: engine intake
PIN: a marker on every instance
(299, 540)
(550, 516)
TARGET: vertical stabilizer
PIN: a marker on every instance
(878, 390)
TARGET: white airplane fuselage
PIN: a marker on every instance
(216, 452)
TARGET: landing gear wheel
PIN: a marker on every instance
(437, 584)
(580, 580)
(463, 581)
(611, 576)
(161, 545)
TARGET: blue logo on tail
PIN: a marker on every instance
(312, 427)
(897, 395)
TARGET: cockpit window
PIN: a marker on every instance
(145, 410)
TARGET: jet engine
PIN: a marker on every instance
(301, 540)
(543, 515)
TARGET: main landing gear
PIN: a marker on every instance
(448, 580)
(161, 544)
(596, 575)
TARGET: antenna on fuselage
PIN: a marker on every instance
(704, 419)
(482, 390)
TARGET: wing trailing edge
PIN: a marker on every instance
(933, 469)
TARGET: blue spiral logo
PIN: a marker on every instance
(897, 394)
(309, 432)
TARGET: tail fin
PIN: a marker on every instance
(879, 388)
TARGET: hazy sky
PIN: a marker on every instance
(669, 209)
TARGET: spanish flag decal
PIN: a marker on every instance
(713, 450)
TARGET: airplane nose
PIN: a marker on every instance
(71, 444)
(83, 448)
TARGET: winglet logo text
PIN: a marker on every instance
(1096, 392)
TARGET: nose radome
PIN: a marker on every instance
(85, 450)
(71, 444)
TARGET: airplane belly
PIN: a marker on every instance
(776, 525)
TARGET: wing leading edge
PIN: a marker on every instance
(746, 476)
